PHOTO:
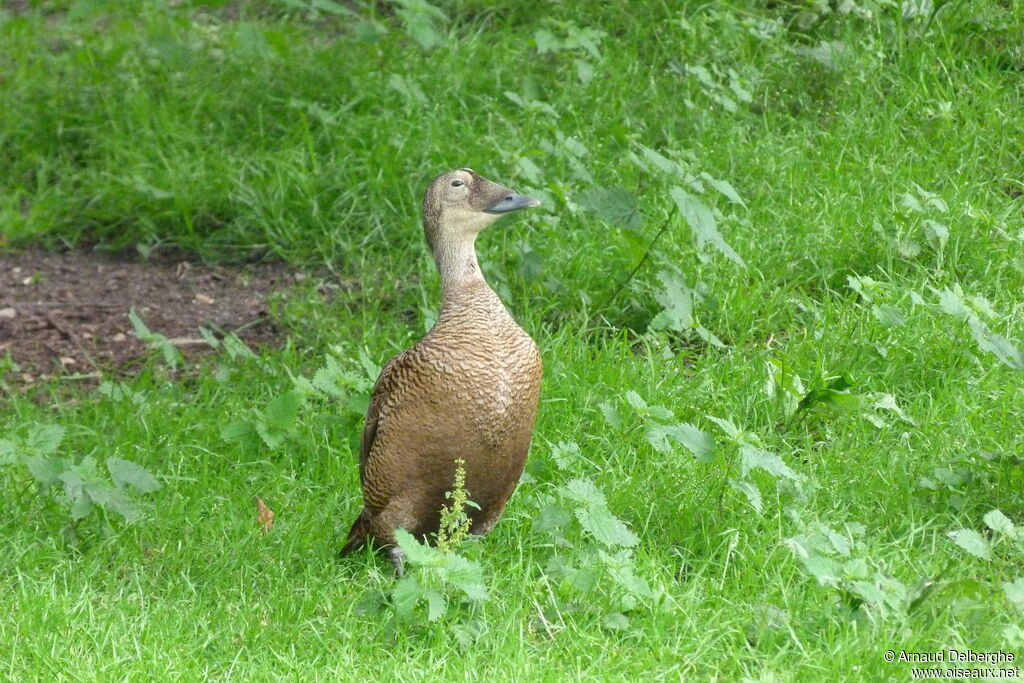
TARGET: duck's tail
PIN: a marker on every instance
(356, 536)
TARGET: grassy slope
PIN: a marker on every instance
(284, 135)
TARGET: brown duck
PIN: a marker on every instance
(468, 390)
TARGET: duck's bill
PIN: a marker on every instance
(513, 202)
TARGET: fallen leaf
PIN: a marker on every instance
(7, 313)
(264, 516)
(204, 299)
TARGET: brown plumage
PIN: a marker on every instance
(468, 390)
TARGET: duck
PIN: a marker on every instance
(467, 391)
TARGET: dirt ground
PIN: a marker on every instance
(67, 313)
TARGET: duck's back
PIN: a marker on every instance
(467, 391)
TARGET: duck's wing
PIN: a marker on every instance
(382, 389)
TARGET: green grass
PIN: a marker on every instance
(259, 130)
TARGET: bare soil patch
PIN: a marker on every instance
(67, 313)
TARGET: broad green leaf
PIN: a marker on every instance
(47, 471)
(551, 517)
(584, 71)
(869, 592)
(127, 473)
(973, 542)
(611, 415)
(951, 301)
(697, 441)
(584, 491)
(888, 315)
(80, 508)
(662, 163)
(724, 187)
(839, 541)
(565, 454)
(703, 223)
(546, 41)
(750, 490)
(636, 401)
(677, 300)
(827, 571)
(109, 498)
(997, 521)
(937, 233)
(1002, 348)
(44, 439)
(239, 431)
(416, 553)
(209, 337)
(281, 412)
(731, 430)
(911, 202)
(406, 594)
(606, 527)
(751, 458)
(615, 205)
(436, 604)
(1015, 592)
(465, 575)
(615, 621)
(8, 452)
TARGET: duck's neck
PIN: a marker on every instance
(456, 262)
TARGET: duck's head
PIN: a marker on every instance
(460, 203)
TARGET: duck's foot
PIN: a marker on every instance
(397, 558)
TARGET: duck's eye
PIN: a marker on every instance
(457, 183)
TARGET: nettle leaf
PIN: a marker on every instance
(734, 433)
(406, 594)
(241, 431)
(329, 378)
(827, 571)
(465, 575)
(724, 187)
(272, 437)
(937, 232)
(661, 162)
(47, 471)
(636, 401)
(565, 454)
(615, 621)
(112, 499)
(751, 458)
(546, 41)
(697, 441)
(551, 517)
(611, 415)
(614, 205)
(1015, 591)
(44, 439)
(973, 542)
(127, 473)
(281, 412)
(8, 452)
(583, 491)
(998, 522)
(677, 300)
(416, 553)
(750, 490)
(1002, 348)
(80, 508)
(703, 223)
(606, 527)
(888, 315)
(437, 604)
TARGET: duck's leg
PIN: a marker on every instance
(397, 558)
